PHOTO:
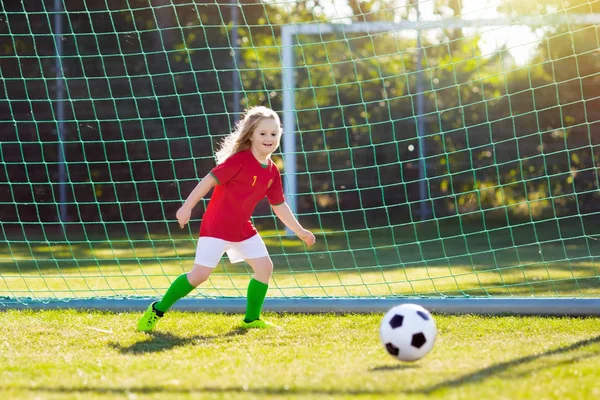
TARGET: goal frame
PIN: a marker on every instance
(555, 306)
(575, 307)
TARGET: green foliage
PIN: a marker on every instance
(150, 93)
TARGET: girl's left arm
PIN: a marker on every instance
(284, 213)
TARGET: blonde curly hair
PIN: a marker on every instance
(239, 139)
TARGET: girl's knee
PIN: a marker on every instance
(198, 275)
(265, 273)
(263, 269)
(269, 266)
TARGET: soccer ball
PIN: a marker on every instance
(408, 332)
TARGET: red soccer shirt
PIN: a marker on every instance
(242, 182)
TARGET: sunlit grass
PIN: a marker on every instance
(380, 262)
(96, 355)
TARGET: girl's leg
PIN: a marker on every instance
(182, 286)
(257, 288)
(208, 252)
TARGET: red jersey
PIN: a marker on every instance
(242, 182)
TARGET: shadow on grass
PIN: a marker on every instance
(503, 367)
(91, 264)
(398, 367)
(230, 391)
(161, 341)
(95, 249)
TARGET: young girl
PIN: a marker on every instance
(244, 175)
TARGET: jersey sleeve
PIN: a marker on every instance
(275, 191)
(225, 171)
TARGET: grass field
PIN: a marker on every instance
(92, 355)
(545, 258)
(99, 355)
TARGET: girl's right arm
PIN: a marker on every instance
(185, 212)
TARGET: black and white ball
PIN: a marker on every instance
(408, 332)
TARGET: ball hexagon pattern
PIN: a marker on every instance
(408, 332)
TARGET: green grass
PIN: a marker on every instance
(547, 258)
(94, 355)
(87, 355)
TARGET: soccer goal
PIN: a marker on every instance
(446, 159)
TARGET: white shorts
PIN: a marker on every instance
(210, 250)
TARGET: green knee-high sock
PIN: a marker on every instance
(180, 287)
(256, 297)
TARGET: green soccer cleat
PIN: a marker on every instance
(149, 319)
(257, 324)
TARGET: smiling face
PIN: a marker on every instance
(265, 138)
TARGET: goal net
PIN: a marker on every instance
(444, 153)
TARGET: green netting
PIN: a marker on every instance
(453, 155)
